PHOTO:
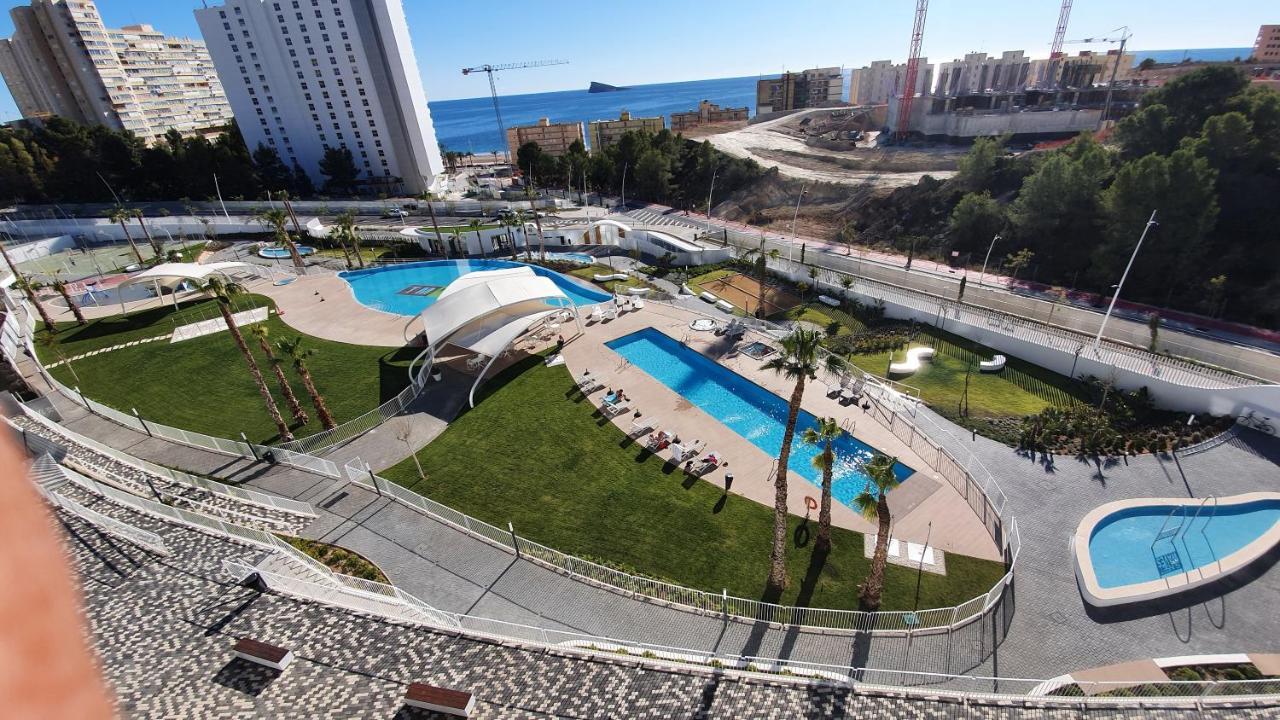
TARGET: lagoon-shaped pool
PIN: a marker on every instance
(1142, 549)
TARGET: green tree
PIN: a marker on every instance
(800, 357)
(339, 169)
(121, 215)
(1016, 262)
(293, 350)
(262, 333)
(60, 285)
(278, 220)
(272, 171)
(873, 503)
(224, 291)
(476, 226)
(976, 168)
(824, 434)
(345, 226)
(1056, 211)
(653, 176)
(974, 221)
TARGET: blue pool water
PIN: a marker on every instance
(409, 289)
(277, 253)
(746, 408)
(1122, 553)
(581, 258)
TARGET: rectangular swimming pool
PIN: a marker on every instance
(746, 408)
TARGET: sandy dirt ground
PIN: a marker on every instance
(744, 293)
(764, 143)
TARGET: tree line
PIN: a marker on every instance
(1203, 151)
(661, 167)
(62, 161)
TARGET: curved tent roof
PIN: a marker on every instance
(173, 274)
(478, 309)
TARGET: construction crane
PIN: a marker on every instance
(1055, 50)
(913, 69)
(1123, 39)
(493, 89)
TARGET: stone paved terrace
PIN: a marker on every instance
(163, 630)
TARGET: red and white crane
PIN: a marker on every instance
(913, 70)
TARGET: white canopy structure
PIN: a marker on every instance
(486, 311)
(172, 275)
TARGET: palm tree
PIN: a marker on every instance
(337, 235)
(61, 286)
(121, 215)
(50, 342)
(155, 246)
(32, 288)
(224, 291)
(522, 217)
(873, 503)
(278, 220)
(824, 434)
(292, 349)
(800, 358)
(262, 333)
(475, 226)
(346, 226)
(762, 258)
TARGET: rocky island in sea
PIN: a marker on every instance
(601, 87)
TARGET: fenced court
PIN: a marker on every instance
(744, 293)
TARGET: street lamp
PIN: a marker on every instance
(990, 247)
(791, 246)
(709, 192)
(625, 166)
(1097, 341)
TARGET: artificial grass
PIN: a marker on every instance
(203, 384)
(589, 272)
(535, 453)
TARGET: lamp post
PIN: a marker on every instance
(990, 247)
(625, 166)
(791, 246)
(1097, 341)
(709, 192)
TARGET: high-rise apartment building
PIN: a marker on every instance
(880, 81)
(1266, 49)
(63, 61)
(304, 76)
(552, 138)
(817, 87)
(604, 133)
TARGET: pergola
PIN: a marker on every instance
(486, 311)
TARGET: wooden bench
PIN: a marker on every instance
(258, 652)
(442, 700)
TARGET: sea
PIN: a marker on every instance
(468, 125)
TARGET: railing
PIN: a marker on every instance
(701, 601)
(322, 441)
(177, 476)
(1171, 369)
(142, 538)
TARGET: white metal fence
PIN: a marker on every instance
(177, 476)
(46, 468)
(352, 428)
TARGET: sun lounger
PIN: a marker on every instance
(609, 313)
(637, 303)
(597, 314)
(588, 384)
(658, 441)
(680, 453)
(995, 364)
(614, 409)
(641, 425)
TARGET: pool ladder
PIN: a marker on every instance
(1180, 531)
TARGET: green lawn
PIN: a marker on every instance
(696, 282)
(589, 272)
(535, 453)
(204, 385)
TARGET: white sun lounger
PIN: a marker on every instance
(995, 364)
(637, 303)
(680, 453)
(612, 410)
(588, 384)
(641, 425)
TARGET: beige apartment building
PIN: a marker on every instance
(553, 138)
(1266, 49)
(706, 114)
(604, 133)
(63, 61)
(817, 87)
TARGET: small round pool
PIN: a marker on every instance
(409, 289)
(281, 253)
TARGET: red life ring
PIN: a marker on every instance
(810, 502)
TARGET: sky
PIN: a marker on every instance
(651, 41)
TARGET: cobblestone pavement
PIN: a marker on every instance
(163, 629)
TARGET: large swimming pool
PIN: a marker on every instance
(746, 408)
(409, 289)
(1124, 548)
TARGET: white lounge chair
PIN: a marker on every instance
(680, 453)
(637, 303)
(724, 305)
(708, 297)
(613, 410)
(609, 313)
(597, 314)
(994, 365)
(588, 384)
(641, 425)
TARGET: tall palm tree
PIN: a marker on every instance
(278, 220)
(121, 215)
(292, 349)
(60, 285)
(32, 289)
(800, 358)
(475, 226)
(346, 225)
(873, 503)
(155, 246)
(439, 240)
(223, 292)
(761, 263)
(824, 434)
(262, 333)
(522, 217)
(336, 235)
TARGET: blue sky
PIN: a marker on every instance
(632, 43)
